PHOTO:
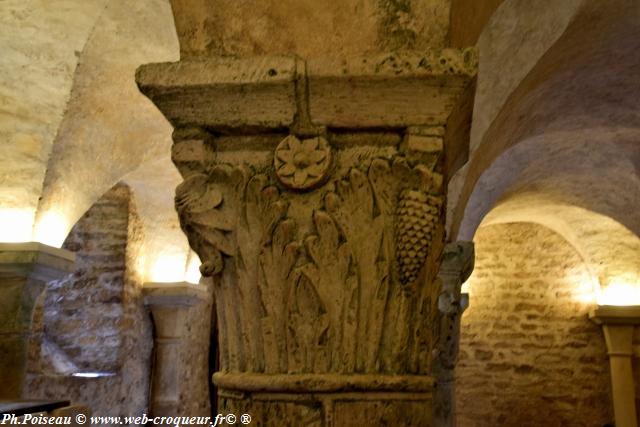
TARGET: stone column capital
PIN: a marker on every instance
(616, 315)
(178, 365)
(458, 259)
(25, 268)
(178, 294)
(314, 193)
(35, 261)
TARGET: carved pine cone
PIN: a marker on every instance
(415, 221)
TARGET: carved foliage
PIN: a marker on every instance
(331, 274)
(353, 207)
(340, 299)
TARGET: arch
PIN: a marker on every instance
(40, 46)
(573, 87)
(167, 256)
(109, 128)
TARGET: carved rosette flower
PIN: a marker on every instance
(302, 164)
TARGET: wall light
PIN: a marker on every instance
(192, 275)
(167, 268)
(17, 225)
(51, 229)
(620, 294)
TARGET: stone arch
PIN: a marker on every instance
(571, 88)
(93, 341)
(595, 212)
(561, 147)
(167, 256)
(108, 128)
(41, 44)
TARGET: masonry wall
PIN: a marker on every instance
(94, 320)
(529, 355)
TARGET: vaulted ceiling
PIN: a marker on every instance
(555, 133)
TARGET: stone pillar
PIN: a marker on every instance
(314, 194)
(25, 269)
(618, 323)
(455, 268)
(180, 369)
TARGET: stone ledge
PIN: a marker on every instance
(174, 294)
(223, 92)
(391, 90)
(322, 383)
(35, 260)
(616, 315)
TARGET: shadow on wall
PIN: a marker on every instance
(93, 334)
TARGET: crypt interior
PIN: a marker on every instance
(322, 212)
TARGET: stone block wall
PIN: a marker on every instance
(529, 356)
(94, 320)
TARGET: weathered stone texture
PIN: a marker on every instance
(309, 28)
(93, 320)
(529, 356)
(468, 19)
(194, 397)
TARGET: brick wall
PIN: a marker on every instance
(529, 356)
(94, 319)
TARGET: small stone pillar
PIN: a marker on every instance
(25, 269)
(456, 267)
(618, 323)
(181, 315)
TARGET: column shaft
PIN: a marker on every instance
(25, 269)
(619, 344)
(181, 315)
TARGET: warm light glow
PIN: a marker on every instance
(92, 374)
(51, 229)
(584, 289)
(619, 293)
(466, 287)
(167, 268)
(16, 226)
(192, 275)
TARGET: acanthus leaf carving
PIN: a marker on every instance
(331, 274)
(352, 206)
(308, 329)
(320, 302)
(278, 276)
(262, 210)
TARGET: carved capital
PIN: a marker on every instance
(314, 194)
